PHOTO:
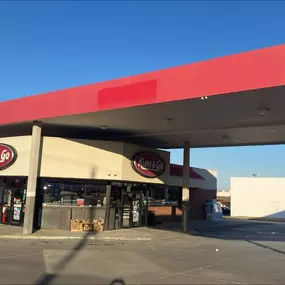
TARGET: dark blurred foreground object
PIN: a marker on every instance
(118, 282)
(226, 210)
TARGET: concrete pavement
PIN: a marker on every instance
(229, 253)
(180, 259)
(225, 229)
(9, 232)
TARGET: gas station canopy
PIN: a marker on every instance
(229, 101)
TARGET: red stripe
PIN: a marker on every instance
(177, 170)
(140, 93)
(246, 71)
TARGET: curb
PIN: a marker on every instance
(31, 237)
(274, 220)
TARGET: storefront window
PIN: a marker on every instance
(163, 195)
(73, 193)
(76, 193)
(117, 188)
(173, 194)
(95, 193)
(12, 200)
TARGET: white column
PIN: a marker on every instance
(185, 186)
(32, 178)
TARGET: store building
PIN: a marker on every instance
(226, 101)
(75, 174)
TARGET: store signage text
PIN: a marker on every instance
(7, 156)
(148, 164)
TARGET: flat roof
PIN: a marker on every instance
(164, 108)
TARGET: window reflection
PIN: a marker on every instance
(95, 194)
(73, 193)
(76, 193)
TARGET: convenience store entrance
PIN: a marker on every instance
(134, 209)
(12, 202)
(129, 206)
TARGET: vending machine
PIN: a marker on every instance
(213, 211)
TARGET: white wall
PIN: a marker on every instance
(210, 179)
(22, 146)
(85, 159)
(91, 159)
(258, 197)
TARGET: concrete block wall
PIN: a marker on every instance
(258, 197)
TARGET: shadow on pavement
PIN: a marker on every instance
(48, 278)
(266, 247)
(231, 230)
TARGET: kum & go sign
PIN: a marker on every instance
(8, 156)
(148, 164)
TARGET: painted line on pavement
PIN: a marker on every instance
(20, 255)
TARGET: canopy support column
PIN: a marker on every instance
(185, 187)
(32, 178)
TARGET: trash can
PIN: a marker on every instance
(151, 218)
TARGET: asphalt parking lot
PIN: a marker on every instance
(231, 252)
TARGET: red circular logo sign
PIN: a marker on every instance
(7, 156)
(148, 164)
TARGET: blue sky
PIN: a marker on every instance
(51, 45)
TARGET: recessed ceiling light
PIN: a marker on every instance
(204, 97)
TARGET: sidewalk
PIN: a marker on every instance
(13, 232)
(162, 232)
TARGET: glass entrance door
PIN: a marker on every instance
(134, 208)
(5, 205)
(18, 204)
(12, 202)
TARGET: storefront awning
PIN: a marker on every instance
(228, 101)
(177, 170)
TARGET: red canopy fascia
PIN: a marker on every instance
(245, 71)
